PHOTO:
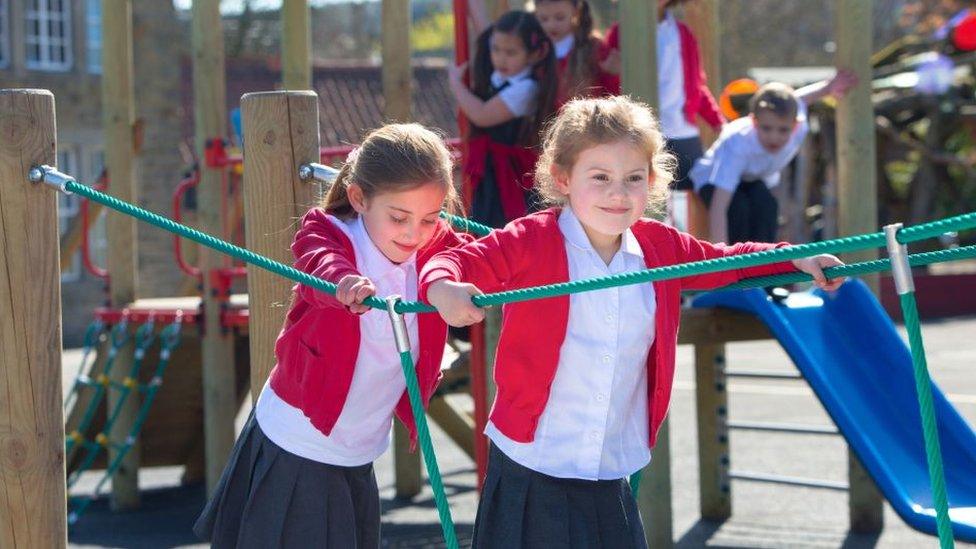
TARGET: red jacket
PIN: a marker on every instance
(698, 98)
(531, 252)
(317, 348)
(514, 167)
(603, 83)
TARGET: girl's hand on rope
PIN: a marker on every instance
(352, 290)
(814, 267)
(455, 73)
(453, 302)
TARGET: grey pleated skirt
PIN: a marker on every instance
(268, 497)
(524, 509)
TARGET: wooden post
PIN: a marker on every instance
(702, 17)
(638, 51)
(118, 121)
(857, 198)
(210, 114)
(296, 49)
(397, 94)
(281, 132)
(32, 510)
(712, 403)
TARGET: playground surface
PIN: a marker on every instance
(763, 515)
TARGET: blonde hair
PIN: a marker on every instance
(586, 123)
(393, 158)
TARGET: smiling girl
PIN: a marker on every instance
(302, 470)
(583, 381)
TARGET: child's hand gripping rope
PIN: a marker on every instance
(814, 267)
(453, 302)
(352, 290)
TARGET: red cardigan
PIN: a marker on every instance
(698, 98)
(531, 252)
(318, 346)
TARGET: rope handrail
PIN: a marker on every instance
(839, 245)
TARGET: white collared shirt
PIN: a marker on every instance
(738, 156)
(595, 424)
(671, 81)
(520, 94)
(564, 46)
(362, 432)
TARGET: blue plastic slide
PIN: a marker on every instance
(847, 348)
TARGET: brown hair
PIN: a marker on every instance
(395, 157)
(585, 123)
(525, 26)
(581, 67)
(776, 98)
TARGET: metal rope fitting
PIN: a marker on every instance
(317, 172)
(51, 177)
(399, 326)
(901, 270)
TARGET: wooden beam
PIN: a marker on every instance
(638, 50)
(397, 93)
(296, 45)
(32, 507)
(857, 198)
(712, 405)
(456, 423)
(281, 132)
(118, 121)
(210, 114)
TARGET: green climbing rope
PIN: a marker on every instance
(117, 339)
(169, 338)
(427, 450)
(93, 335)
(145, 335)
(933, 452)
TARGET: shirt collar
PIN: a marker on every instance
(497, 79)
(573, 232)
(564, 46)
(374, 264)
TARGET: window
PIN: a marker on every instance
(4, 34)
(93, 25)
(48, 34)
(68, 210)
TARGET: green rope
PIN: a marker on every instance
(930, 430)
(92, 336)
(852, 243)
(169, 338)
(117, 338)
(144, 339)
(635, 483)
(467, 225)
(427, 449)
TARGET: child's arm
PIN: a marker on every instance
(479, 15)
(483, 114)
(319, 252)
(837, 86)
(691, 249)
(451, 277)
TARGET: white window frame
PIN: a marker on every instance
(40, 10)
(68, 208)
(4, 34)
(93, 40)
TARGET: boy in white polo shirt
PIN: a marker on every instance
(735, 176)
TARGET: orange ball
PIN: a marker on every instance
(734, 101)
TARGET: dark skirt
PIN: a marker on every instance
(687, 151)
(522, 508)
(268, 497)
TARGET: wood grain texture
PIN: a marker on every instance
(32, 504)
